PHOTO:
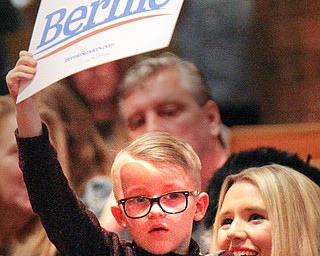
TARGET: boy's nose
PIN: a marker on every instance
(156, 211)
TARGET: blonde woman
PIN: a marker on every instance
(268, 211)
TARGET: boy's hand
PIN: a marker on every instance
(24, 70)
(28, 117)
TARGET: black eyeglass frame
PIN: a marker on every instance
(157, 200)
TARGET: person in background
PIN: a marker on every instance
(15, 208)
(169, 94)
(271, 210)
(87, 152)
(95, 92)
(21, 231)
(89, 99)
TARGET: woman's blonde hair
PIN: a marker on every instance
(293, 205)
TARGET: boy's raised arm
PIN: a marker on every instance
(70, 226)
(27, 111)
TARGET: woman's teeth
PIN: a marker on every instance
(245, 253)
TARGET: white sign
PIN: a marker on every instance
(73, 35)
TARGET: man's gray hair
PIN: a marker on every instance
(191, 77)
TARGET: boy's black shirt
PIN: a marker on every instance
(73, 229)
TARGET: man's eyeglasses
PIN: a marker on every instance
(172, 203)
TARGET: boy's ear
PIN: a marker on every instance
(212, 111)
(119, 215)
(201, 206)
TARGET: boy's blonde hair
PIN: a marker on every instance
(292, 203)
(159, 149)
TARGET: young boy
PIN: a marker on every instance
(157, 184)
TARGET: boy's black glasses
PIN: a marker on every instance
(172, 203)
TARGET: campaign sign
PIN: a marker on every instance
(73, 35)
